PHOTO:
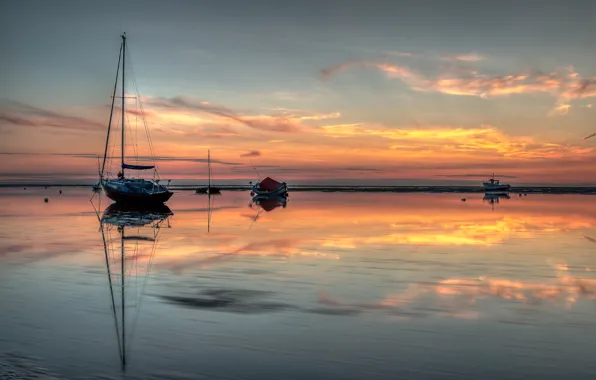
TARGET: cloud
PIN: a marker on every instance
(271, 123)
(472, 57)
(391, 70)
(252, 153)
(21, 114)
(470, 175)
(464, 141)
(559, 110)
(140, 158)
(400, 54)
(564, 84)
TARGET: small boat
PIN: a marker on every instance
(209, 189)
(270, 187)
(123, 189)
(494, 185)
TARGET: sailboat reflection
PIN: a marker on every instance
(210, 209)
(123, 268)
(493, 198)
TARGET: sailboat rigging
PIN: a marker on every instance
(121, 267)
(123, 189)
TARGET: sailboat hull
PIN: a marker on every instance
(119, 194)
(138, 199)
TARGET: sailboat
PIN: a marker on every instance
(209, 189)
(123, 189)
(122, 267)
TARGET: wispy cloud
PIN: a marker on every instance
(472, 57)
(472, 175)
(404, 54)
(20, 114)
(564, 84)
(252, 153)
(140, 158)
(279, 122)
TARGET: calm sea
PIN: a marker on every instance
(331, 286)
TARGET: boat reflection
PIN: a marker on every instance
(494, 197)
(136, 230)
(269, 203)
(266, 203)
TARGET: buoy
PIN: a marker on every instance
(463, 199)
(46, 200)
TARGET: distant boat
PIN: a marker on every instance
(494, 185)
(209, 189)
(270, 187)
(121, 188)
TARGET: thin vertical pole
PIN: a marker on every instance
(123, 273)
(105, 153)
(105, 249)
(209, 168)
(123, 110)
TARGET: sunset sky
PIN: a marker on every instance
(312, 91)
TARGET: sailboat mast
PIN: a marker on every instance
(105, 153)
(123, 110)
(209, 167)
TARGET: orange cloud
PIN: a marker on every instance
(185, 112)
(459, 140)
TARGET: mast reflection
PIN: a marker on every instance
(124, 229)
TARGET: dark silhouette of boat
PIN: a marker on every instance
(122, 189)
(269, 187)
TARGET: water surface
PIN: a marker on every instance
(332, 286)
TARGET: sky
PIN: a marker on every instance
(366, 92)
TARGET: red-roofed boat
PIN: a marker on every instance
(270, 187)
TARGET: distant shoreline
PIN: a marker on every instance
(362, 189)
